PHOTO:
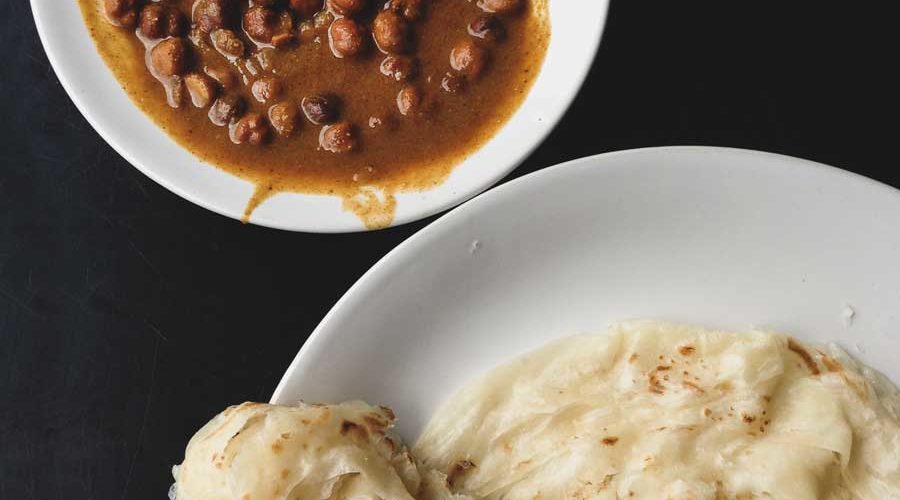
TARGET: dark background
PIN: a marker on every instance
(128, 316)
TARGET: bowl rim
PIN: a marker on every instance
(415, 205)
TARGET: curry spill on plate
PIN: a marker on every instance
(360, 99)
(646, 410)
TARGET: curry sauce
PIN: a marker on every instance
(403, 129)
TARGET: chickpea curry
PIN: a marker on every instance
(339, 97)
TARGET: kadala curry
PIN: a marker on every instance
(333, 97)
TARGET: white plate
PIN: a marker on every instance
(577, 27)
(718, 237)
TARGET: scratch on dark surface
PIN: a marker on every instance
(53, 159)
(40, 60)
(75, 123)
(140, 186)
(140, 436)
(157, 331)
(126, 225)
(89, 166)
(69, 295)
(144, 257)
(91, 287)
(80, 301)
(15, 300)
(106, 218)
(4, 257)
(86, 291)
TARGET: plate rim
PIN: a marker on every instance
(509, 189)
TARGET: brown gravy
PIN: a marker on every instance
(416, 153)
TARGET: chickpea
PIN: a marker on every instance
(409, 9)
(175, 91)
(128, 20)
(151, 22)
(201, 88)
(284, 117)
(224, 77)
(265, 89)
(346, 37)
(386, 121)
(252, 128)
(412, 101)
(170, 57)
(225, 109)
(391, 32)
(159, 22)
(339, 138)
(228, 44)
(176, 23)
(319, 109)
(468, 58)
(307, 31)
(198, 39)
(118, 7)
(453, 84)
(408, 99)
(284, 30)
(210, 15)
(501, 6)
(263, 60)
(322, 20)
(306, 8)
(122, 13)
(347, 7)
(260, 23)
(399, 68)
(488, 28)
(282, 39)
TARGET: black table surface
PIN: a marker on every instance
(129, 316)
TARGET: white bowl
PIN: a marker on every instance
(717, 237)
(576, 30)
